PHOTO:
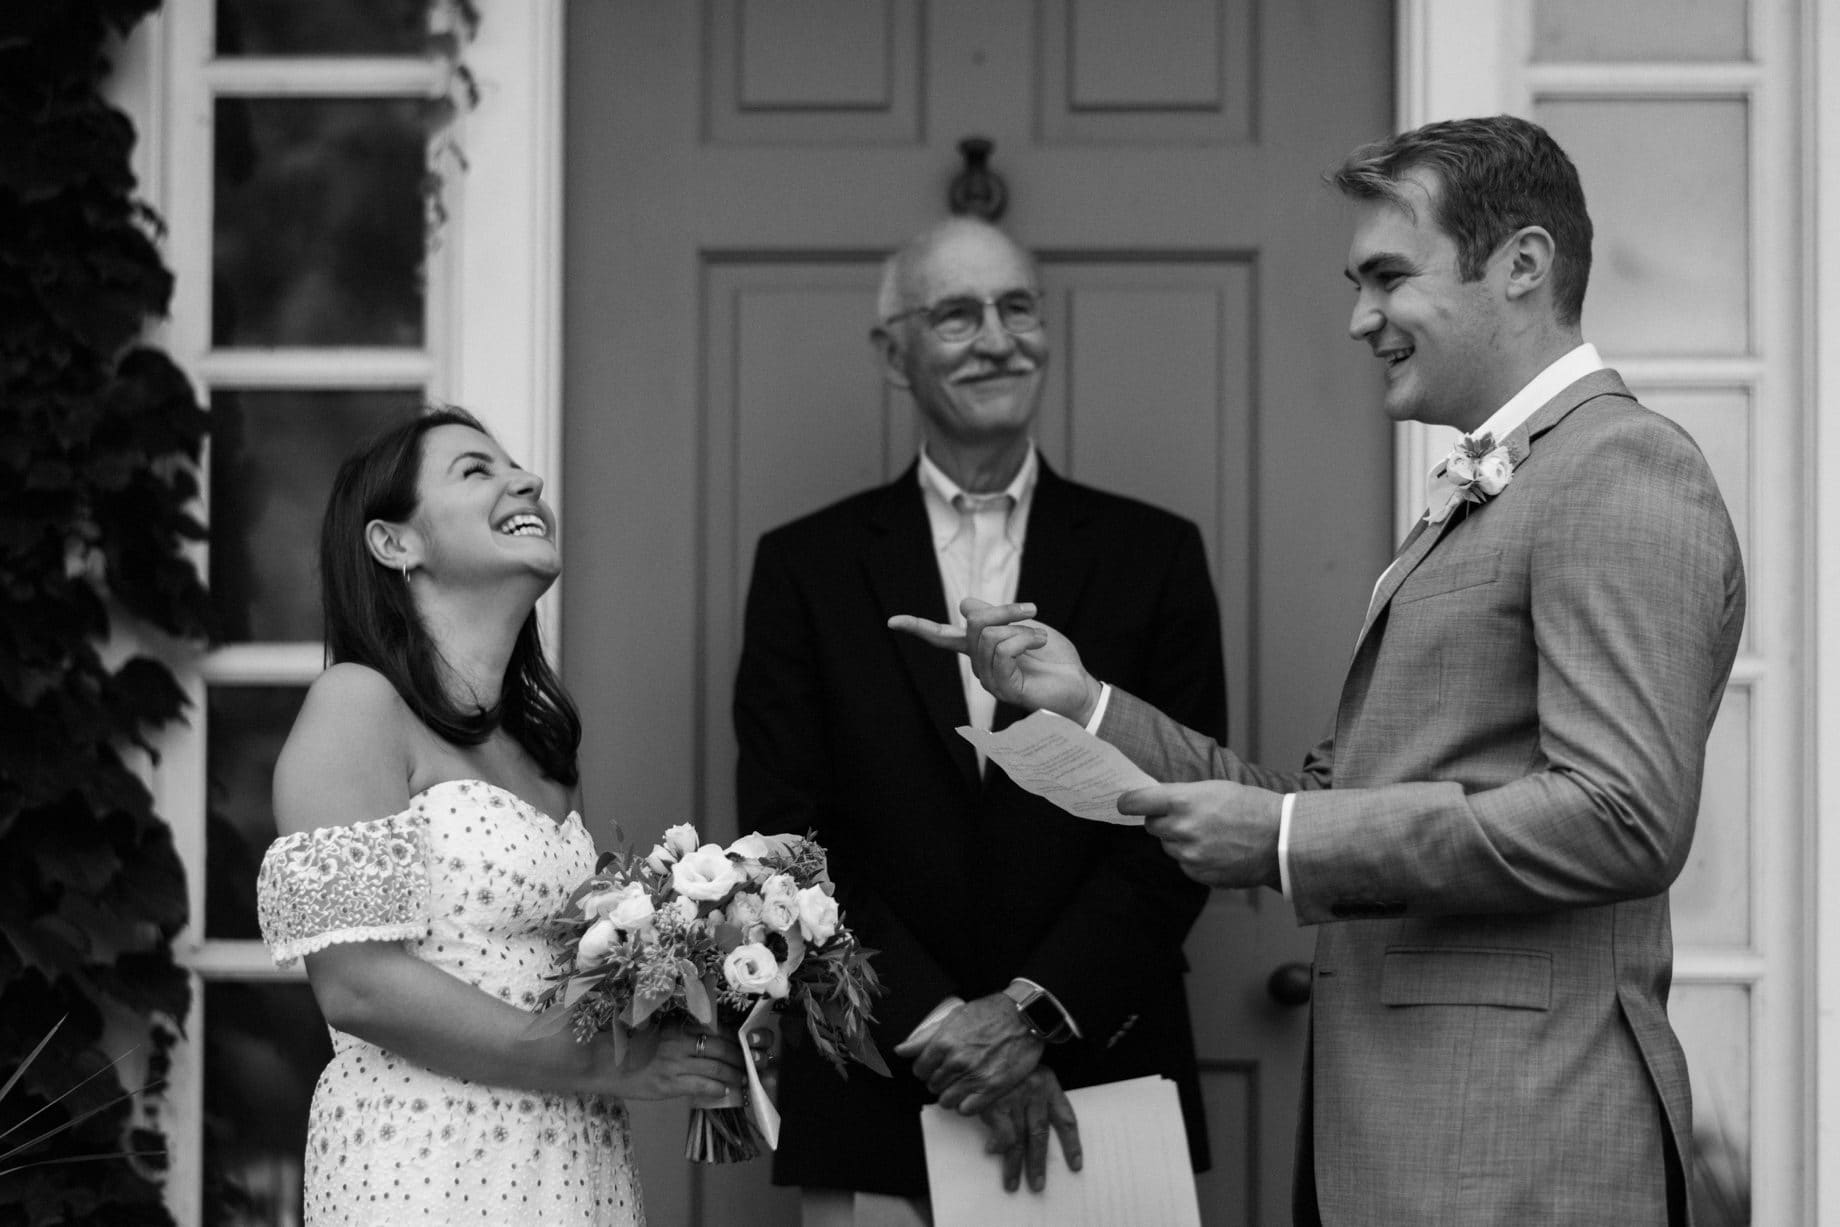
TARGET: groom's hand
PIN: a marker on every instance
(1019, 1124)
(974, 1054)
(1219, 832)
(1017, 659)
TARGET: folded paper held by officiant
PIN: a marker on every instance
(1059, 760)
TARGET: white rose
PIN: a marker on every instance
(1460, 468)
(779, 886)
(596, 904)
(752, 969)
(685, 909)
(630, 908)
(780, 912)
(679, 842)
(597, 943)
(744, 910)
(705, 874)
(817, 915)
(1494, 471)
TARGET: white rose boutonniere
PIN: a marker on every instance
(1475, 470)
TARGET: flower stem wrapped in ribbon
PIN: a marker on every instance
(728, 937)
(1475, 470)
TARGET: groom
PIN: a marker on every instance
(1488, 834)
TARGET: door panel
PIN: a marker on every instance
(737, 171)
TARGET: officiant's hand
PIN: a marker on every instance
(1017, 659)
(1219, 832)
(1019, 1124)
(974, 1054)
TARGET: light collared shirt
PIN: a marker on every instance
(990, 573)
(1564, 371)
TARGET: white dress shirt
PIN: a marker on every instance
(977, 541)
(1565, 371)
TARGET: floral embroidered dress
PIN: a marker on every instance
(465, 877)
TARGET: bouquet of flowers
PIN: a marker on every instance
(724, 936)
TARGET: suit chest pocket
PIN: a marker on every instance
(1446, 575)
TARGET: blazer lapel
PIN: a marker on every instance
(1520, 444)
(1056, 562)
(904, 574)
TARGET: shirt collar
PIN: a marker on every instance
(1565, 371)
(940, 491)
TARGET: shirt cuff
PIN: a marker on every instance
(1284, 843)
(1072, 1023)
(1092, 726)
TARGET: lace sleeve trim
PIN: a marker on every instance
(358, 883)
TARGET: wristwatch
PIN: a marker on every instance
(1039, 1013)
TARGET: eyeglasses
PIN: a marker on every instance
(958, 319)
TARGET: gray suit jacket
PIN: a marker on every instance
(1489, 833)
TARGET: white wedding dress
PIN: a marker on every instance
(464, 878)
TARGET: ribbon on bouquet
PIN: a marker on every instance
(766, 1116)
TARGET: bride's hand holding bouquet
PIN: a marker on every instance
(709, 939)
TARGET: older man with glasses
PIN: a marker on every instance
(1025, 952)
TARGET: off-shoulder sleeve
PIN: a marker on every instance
(367, 882)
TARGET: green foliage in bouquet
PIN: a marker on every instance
(98, 438)
(671, 937)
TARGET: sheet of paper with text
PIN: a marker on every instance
(1136, 1166)
(1055, 758)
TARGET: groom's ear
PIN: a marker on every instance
(1529, 254)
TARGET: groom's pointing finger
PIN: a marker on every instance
(947, 637)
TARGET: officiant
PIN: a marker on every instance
(1025, 953)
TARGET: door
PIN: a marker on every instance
(736, 172)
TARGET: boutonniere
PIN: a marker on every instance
(1475, 471)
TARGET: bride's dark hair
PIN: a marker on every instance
(371, 620)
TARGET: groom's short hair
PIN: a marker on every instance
(1497, 174)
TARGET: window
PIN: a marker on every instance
(326, 286)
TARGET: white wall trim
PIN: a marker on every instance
(1821, 230)
(501, 308)
(1452, 61)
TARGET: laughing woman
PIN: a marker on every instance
(428, 805)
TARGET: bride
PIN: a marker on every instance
(427, 800)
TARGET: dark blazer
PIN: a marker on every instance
(1488, 838)
(960, 883)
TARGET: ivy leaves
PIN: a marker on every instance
(99, 439)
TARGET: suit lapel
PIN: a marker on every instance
(904, 574)
(1520, 444)
(1056, 561)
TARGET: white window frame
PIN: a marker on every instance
(493, 345)
(1471, 57)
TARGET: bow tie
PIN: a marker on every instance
(1475, 470)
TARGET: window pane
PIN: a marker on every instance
(319, 222)
(322, 27)
(1640, 30)
(273, 455)
(1670, 269)
(264, 1046)
(245, 727)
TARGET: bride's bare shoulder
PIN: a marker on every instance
(347, 758)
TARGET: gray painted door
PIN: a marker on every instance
(735, 172)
